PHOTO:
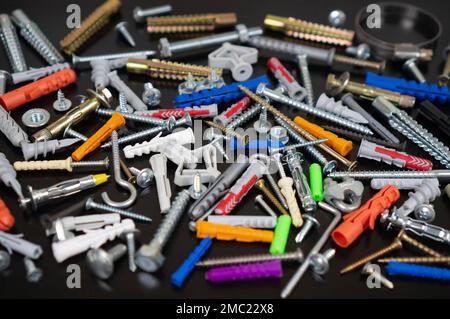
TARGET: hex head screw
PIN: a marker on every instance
(101, 262)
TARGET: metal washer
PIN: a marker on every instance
(35, 118)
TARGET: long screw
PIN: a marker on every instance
(244, 139)
(134, 117)
(139, 14)
(298, 129)
(423, 248)
(271, 197)
(306, 78)
(11, 43)
(294, 256)
(68, 164)
(244, 117)
(417, 260)
(276, 190)
(109, 209)
(260, 200)
(298, 145)
(130, 238)
(440, 174)
(80, 60)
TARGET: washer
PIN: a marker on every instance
(35, 118)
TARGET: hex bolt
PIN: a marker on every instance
(90, 204)
(260, 200)
(101, 262)
(262, 126)
(149, 257)
(361, 51)
(130, 237)
(151, 95)
(411, 67)
(294, 256)
(197, 188)
(61, 104)
(122, 29)
(68, 132)
(310, 223)
(242, 34)
(319, 263)
(5, 260)
(144, 177)
(34, 274)
(371, 270)
(139, 14)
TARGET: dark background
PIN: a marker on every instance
(51, 16)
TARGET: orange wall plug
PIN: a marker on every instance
(226, 232)
(6, 219)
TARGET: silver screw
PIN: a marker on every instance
(4, 77)
(260, 200)
(440, 174)
(139, 14)
(11, 43)
(61, 104)
(122, 28)
(276, 190)
(296, 256)
(362, 51)
(101, 262)
(320, 262)
(151, 95)
(124, 107)
(130, 237)
(138, 118)
(90, 204)
(306, 78)
(34, 274)
(370, 270)
(144, 177)
(90, 164)
(149, 257)
(336, 18)
(411, 67)
(245, 117)
(5, 260)
(262, 126)
(310, 223)
(215, 138)
(197, 188)
(425, 212)
(68, 132)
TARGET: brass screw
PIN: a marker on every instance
(169, 70)
(90, 26)
(417, 260)
(261, 185)
(425, 249)
(298, 129)
(396, 244)
(131, 178)
(377, 66)
(244, 139)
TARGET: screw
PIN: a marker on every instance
(188, 86)
(262, 126)
(411, 67)
(197, 188)
(361, 51)
(416, 260)
(151, 95)
(396, 244)
(371, 270)
(337, 18)
(296, 256)
(168, 123)
(260, 200)
(149, 257)
(276, 190)
(310, 222)
(11, 44)
(123, 107)
(109, 209)
(425, 212)
(139, 14)
(215, 141)
(130, 237)
(263, 188)
(5, 260)
(61, 104)
(131, 178)
(440, 174)
(4, 77)
(320, 262)
(78, 60)
(302, 60)
(244, 139)
(101, 262)
(244, 117)
(68, 132)
(425, 249)
(143, 177)
(34, 274)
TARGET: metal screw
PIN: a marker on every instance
(425, 249)
(169, 123)
(411, 67)
(122, 28)
(262, 126)
(416, 260)
(144, 177)
(276, 189)
(34, 274)
(215, 138)
(197, 188)
(109, 209)
(188, 86)
(101, 262)
(260, 200)
(61, 104)
(68, 132)
(244, 117)
(244, 139)
(4, 77)
(139, 14)
(296, 256)
(320, 262)
(306, 78)
(151, 95)
(370, 269)
(263, 188)
(425, 212)
(310, 222)
(440, 174)
(123, 107)
(337, 18)
(5, 260)
(361, 51)
(11, 43)
(130, 237)
(149, 257)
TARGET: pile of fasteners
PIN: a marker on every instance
(262, 147)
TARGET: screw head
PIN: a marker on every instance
(409, 64)
(310, 218)
(121, 25)
(131, 232)
(337, 18)
(425, 212)
(329, 167)
(5, 260)
(144, 178)
(195, 194)
(103, 95)
(170, 123)
(36, 117)
(319, 264)
(89, 203)
(363, 51)
(335, 86)
(35, 275)
(100, 263)
(137, 14)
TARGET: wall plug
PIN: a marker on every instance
(425, 193)
(329, 104)
(9, 127)
(9, 176)
(34, 74)
(45, 147)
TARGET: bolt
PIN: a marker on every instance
(411, 67)
(151, 95)
(320, 262)
(144, 177)
(34, 274)
(61, 104)
(109, 209)
(149, 257)
(371, 270)
(197, 188)
(139, 14)
(5, 260)
(130, 237)
(4, 77)
(68, 132)
(336, 18)
(396, 244)
(361, 51)
(310, 222)
(122, 28)
(296, 256)
(101, 262)
(263, 188)
(425, 212)
(260, 200)
(262, 126)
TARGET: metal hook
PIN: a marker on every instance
(118, 178)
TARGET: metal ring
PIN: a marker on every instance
(35, 118)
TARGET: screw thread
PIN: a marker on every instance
(389, 174)
(316, 38)
(11, 43)
(377, 66)
(91, 164)
(228, 131)
(427, 250)
(417, 260)
(137, 136)
(276, 190)
(306, 78)
(244, 117)
(122, 212)
(261, 186)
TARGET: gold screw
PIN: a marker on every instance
(130, 176)
(298, 129)
(261, 185)
(396, 244)
(244, 139)
(425, 249)
(417, 260)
